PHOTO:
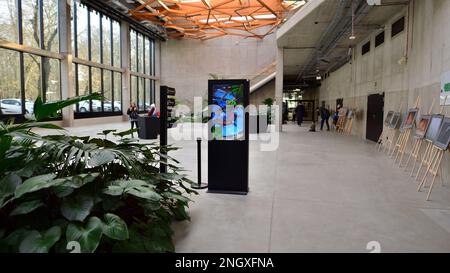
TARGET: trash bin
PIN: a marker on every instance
(148, 127)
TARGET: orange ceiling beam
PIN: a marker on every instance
(213, 18)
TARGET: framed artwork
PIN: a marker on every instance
(443, 137)
(350, 113)
(410, 118)
(433, 128)
(388, 119)
(396, 121)
(422, 126)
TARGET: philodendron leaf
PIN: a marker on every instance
(35, 242)
(8, 185)
(27, 207)
(114, 227)
(37, 183)
(62, 191)
(78, 208)
(145, 193)
(80, 180)
(88, 236)
(43, 110)
(113, 190)
(101, 157)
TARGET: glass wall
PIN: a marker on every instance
(30, 59)
(25, 76)
(96, 39)
(142, 65)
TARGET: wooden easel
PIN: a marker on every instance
(406, 135)
(349, 126)
(382, 137)
(434, 168)
(340, 125)
(427, 158)
(415, 152)
(391, 136)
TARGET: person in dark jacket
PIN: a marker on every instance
(133, 113)
(325, 116)
(300, 113)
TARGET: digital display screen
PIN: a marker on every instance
(228, 112)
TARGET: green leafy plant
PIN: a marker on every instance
(103, 195)
(269, 103)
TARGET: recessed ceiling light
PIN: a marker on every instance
(353, 37)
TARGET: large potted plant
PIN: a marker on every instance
(61, 193)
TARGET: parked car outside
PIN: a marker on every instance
(14, 106)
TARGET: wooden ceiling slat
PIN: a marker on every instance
(213, 18)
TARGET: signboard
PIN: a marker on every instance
(445, 89)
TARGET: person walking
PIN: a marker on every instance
(299, 113)
(133, 113)
(325, 116)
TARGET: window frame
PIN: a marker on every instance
(97, 65)
(39, 52)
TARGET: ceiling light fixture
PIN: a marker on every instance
(353, 37)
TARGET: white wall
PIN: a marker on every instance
(380, 71)
(186, 64)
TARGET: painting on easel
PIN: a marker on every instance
(422, 127)
(350, 114)
(410, 118)
(396, 121)
(388, 119)
(433, 128)
(443, 138)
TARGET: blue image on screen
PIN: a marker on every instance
(228, 124)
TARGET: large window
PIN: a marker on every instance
(142, 65)
(96, 40)
(23, 75)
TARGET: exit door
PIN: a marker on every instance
(375, 114)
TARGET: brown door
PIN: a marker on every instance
(375, 113)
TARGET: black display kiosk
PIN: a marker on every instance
(228, 158)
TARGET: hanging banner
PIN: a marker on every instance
(445, 88)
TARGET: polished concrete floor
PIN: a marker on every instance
(318, 192)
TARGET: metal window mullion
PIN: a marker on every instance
(111, 61)
(22, 80)
(101, 37)
(111, 42)
(101, 60)
(137, 92)
(21, 57)
(90, 86)
(75, 29)
(153, 58)
(143, 53)
(77, 86)
(42, 46)
(89, 33)
(89, 54)
(102, 86)
(145, 94)
(112, 91)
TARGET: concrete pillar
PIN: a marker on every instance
(279, 88)
(125, 55)
(65, 34)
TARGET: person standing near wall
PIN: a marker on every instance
(325, 116)
(133, 113)
(300, 112)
